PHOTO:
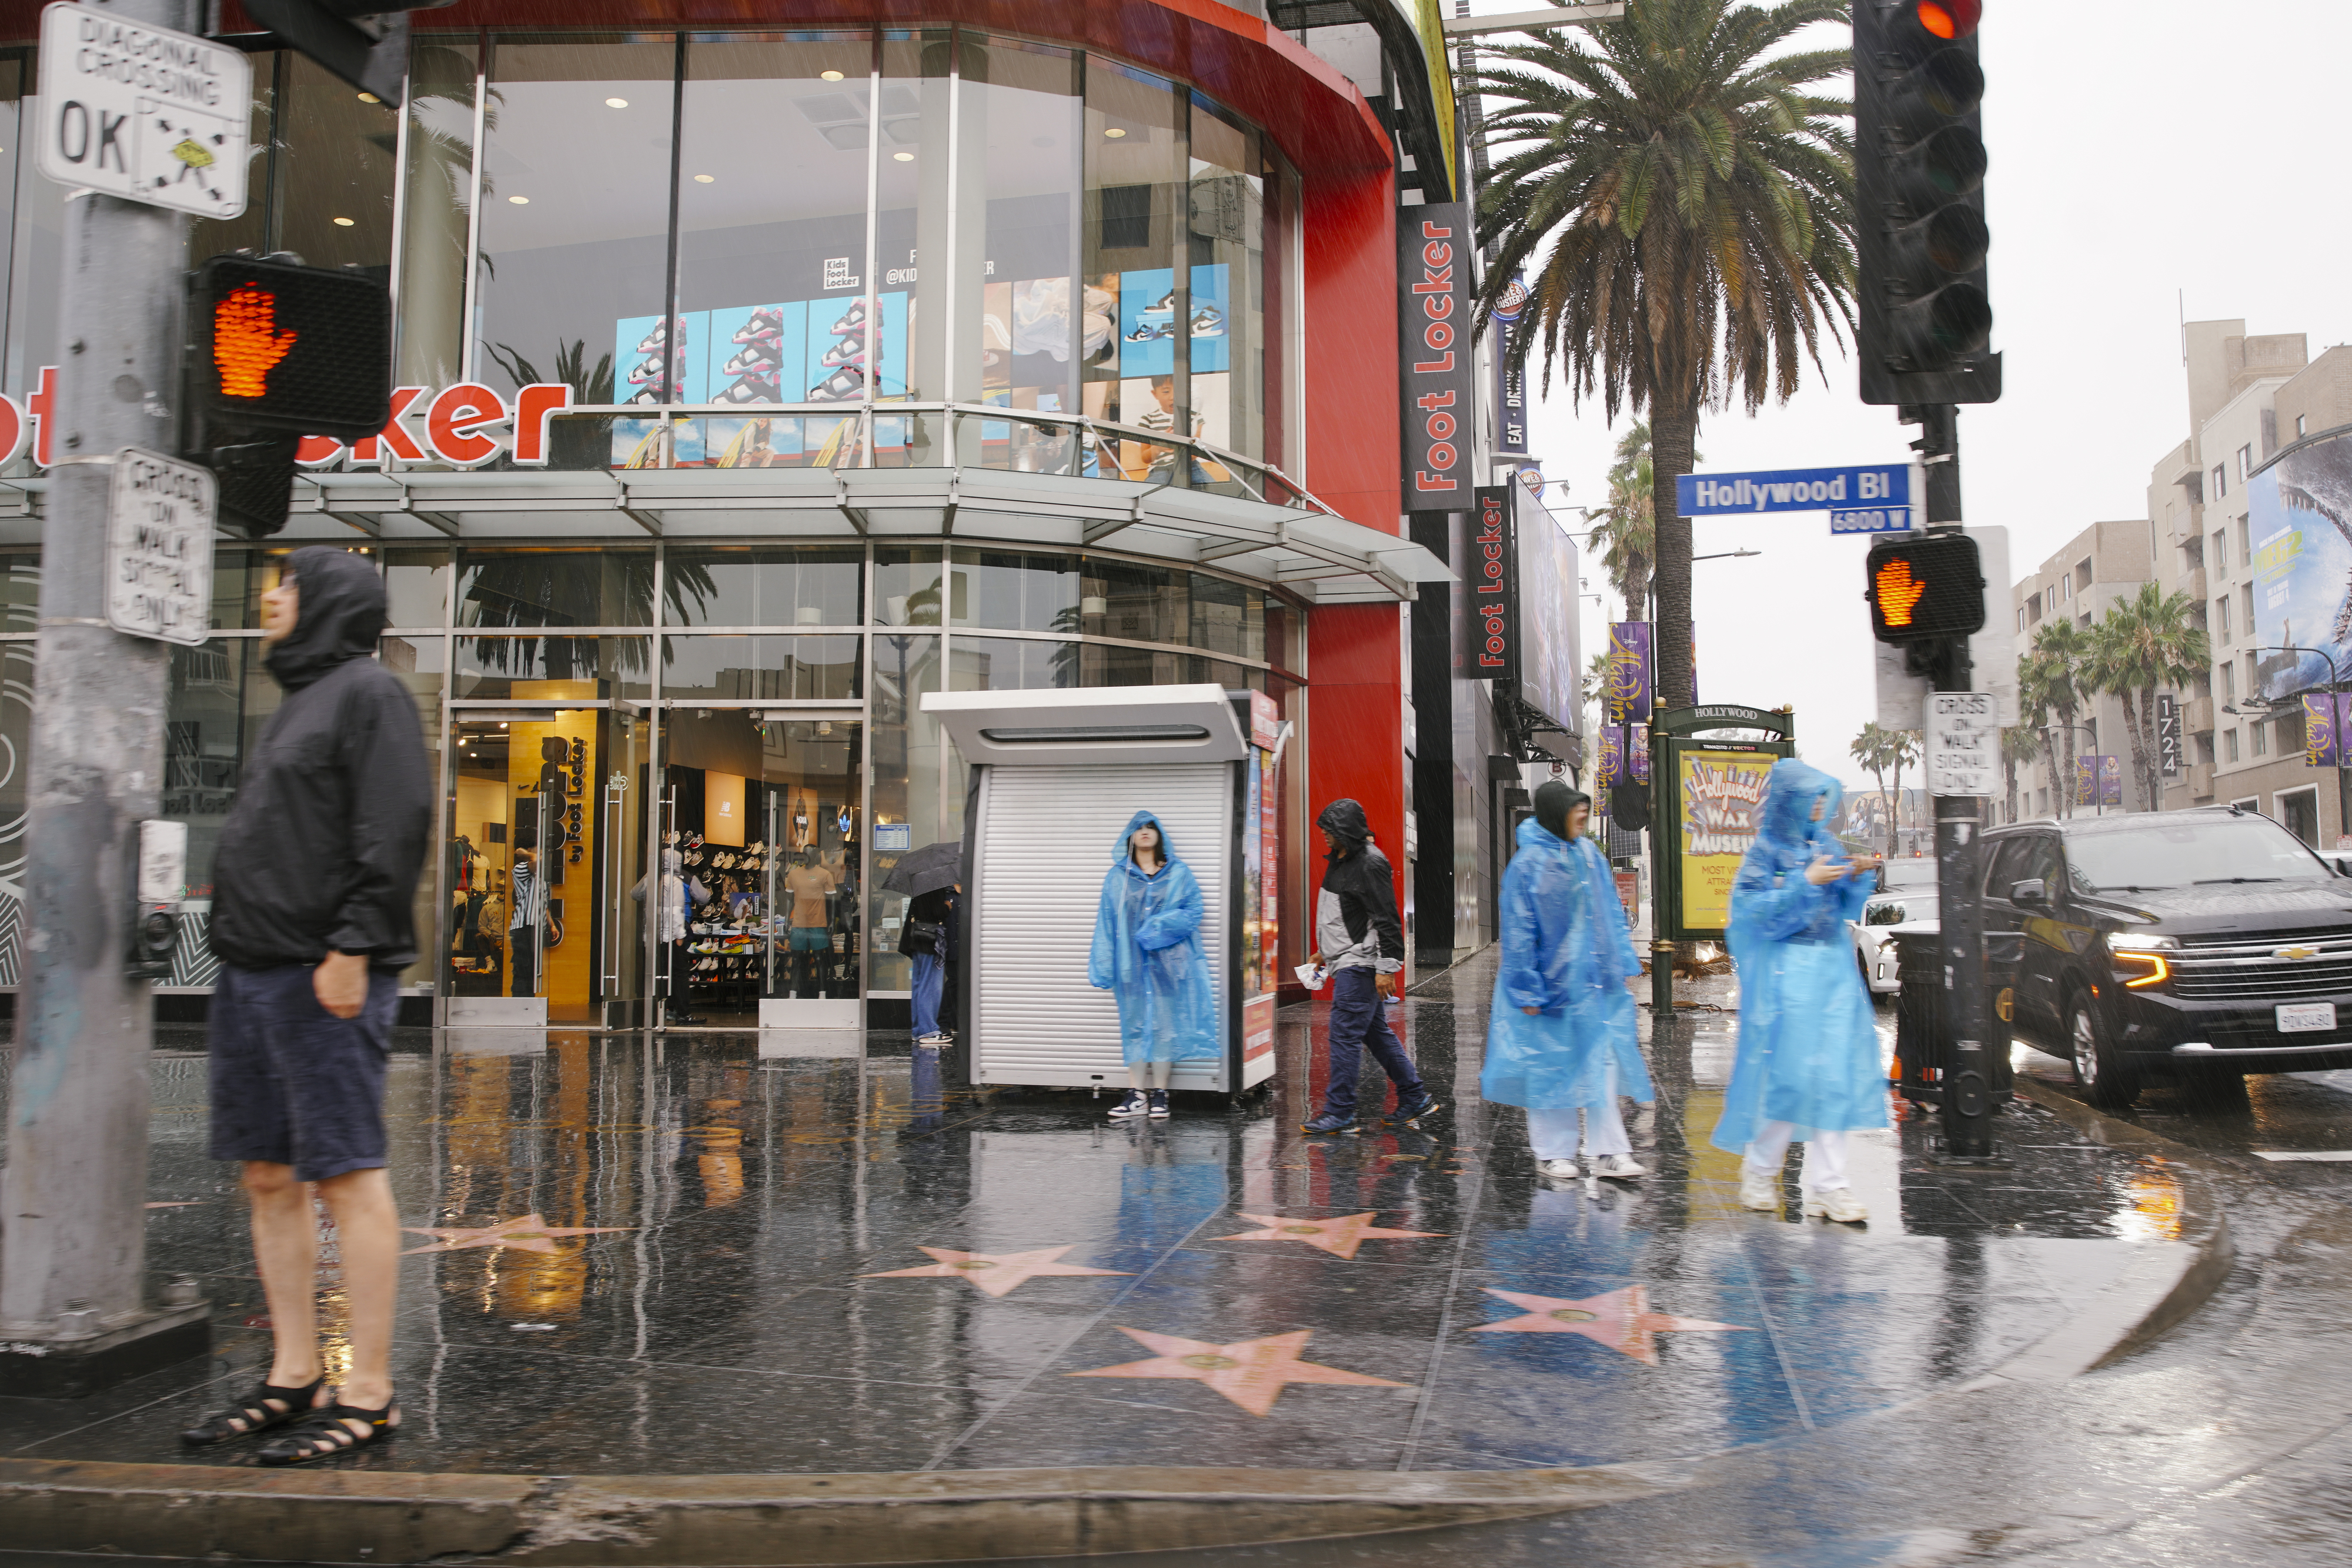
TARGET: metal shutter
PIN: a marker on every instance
(1042, 844)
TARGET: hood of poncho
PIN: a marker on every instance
(1786, 814)
(338, 617)
(1118, 855)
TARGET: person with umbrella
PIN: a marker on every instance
(932, 878)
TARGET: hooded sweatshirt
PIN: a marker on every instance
(1355, 923)
(324, 847)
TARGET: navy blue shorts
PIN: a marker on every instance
(292, 1083)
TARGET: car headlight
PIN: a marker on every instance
(2140, 959)
(2129, 943)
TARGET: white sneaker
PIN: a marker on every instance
(1561, 1170)
(1837, 1203)
(1619, 1168)
(1137, 1104)
(1758, 1189)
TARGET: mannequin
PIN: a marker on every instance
(809, 886)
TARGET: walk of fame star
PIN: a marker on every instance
(1251, 1373)
(529, 1234)
(1338, 1237)
(995, 1272)
(1622, 1320)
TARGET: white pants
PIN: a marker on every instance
(1825, 1156)
(1554, 1135)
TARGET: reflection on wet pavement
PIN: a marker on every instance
(746, 1253)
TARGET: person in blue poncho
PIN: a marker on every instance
(1561, 1036)
(1808, 1065)
(1147, 950)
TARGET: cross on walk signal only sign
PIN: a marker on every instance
(142, 113)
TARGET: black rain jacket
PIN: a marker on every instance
(324, 844)
(1355, 923)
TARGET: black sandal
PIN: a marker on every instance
(324, 1433)
(255, 1415)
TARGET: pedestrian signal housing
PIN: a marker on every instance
(278, 351)
(1924, 315)
(1926, 588)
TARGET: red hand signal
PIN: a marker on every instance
(1898, 592)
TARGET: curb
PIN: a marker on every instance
(2160, 1287)
(612, 1521)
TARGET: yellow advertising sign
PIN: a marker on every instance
(1721, 794)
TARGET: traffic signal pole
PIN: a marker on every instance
(76, 1313)
(1959, 830)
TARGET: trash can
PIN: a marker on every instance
(1923, 1050)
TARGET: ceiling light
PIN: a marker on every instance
(345, 223)
(616, 103)
(904, 157)
(520, 201)
(704, 179)
(502, 724)
(830, 75)
(370, 98)
(1114, 133)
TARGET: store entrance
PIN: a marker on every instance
(761, 913)
(541, 856)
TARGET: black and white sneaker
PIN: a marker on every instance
(852, 320)
(757, 359)
(1164, 305)
(1208, 321)
(846, 383)
(765, 326)
(1145, 332)
(1160, 1104)
(651, 370)
(652, 342)
(753, 389)
(1137, 1104)
(848, 351)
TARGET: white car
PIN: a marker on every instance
(1872, 950)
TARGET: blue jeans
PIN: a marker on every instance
(930, 978)
(1359, 1019)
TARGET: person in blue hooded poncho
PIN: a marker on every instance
(1807, 1064)
(1560, 1035)
(1147, 950)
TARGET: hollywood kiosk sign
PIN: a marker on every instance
(463, 426)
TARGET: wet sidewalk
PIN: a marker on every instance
(697, 1255)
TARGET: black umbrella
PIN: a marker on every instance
(927, 870)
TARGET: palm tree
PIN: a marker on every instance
(1683, 208)
(2019, 743)
(1880, 750)
(2052, 675)
(2145, 642)
(1626, 528)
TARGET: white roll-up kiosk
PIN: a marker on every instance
(1057, 775)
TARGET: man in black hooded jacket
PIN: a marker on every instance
(313, 887)
(1360, 939)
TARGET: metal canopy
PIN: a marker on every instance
(1100, 725)
(1322, 558)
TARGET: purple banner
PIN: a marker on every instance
(2111, 779)
(1640, 736)
(1613, 755)
(2322, 729)
(2086, 780)
(1626, 695)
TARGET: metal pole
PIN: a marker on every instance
(74, 1308)
(1967, 1104)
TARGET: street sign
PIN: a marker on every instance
(1872, 520)
(142, 113)
(2168, 734)
(159, 549)
(1881, 484)
(1963, 743)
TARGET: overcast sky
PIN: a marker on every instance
(2145, 159)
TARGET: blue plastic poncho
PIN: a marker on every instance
(1808, 1054)
(1147, 950)
(1565, 950)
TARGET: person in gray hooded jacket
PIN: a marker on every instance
(1360, 940)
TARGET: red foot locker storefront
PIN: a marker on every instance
(763, 369)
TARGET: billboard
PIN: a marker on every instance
(1547, 630)
(2298, 507)
(1720, 793)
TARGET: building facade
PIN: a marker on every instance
(2080, 583)
(757, 381)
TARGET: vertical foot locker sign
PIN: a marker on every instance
(159, 549)
(142, 113)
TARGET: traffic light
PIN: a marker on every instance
(1925, 587)
(277, 351)
(1925, 318)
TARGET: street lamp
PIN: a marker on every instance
(2334, 691)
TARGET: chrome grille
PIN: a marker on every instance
(2239, 967)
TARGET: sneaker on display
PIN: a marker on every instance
(1145, 332)
(1164, 305)
(754, 389)
(1839, 1203)
(1208, 321)
(1619, 1168)
(1160, 1104)
(650, 370)
(1137, 1104)
(651, 343)
(852, 320)
(848, 351)
(766, 325)
(762, 358)
(845, 383)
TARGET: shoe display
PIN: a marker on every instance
(1330, 1121)
(844, 384)
(1759, 1190)
(652, 342)
(1559, 1170)
(1208, 321)
(852, 320)
(1619, 1168)
(1160, 1104)
(765, 326)
(1838, 1204)
(1164, 305)
(1427, 1105)
(651, 370)
(1137, 1104)
(762, 357)
(848, 351)
(753, 389)
(1145, 332)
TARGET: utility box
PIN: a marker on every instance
(1057, 774)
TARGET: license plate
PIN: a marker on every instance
(2306, 1017)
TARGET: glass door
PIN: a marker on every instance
(761, 809)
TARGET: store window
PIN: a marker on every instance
(906, 586)
(437, 218)
(557, 588)
(765, 586)
(542, 668)
(1135, 185)
(1026, 342)
(416, 586)
(1014, 591)
(761, 669)
(908, 787)
(332, 169)
(1227, 255)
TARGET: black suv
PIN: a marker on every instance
(2203, 941)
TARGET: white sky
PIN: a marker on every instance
(2144, 159)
